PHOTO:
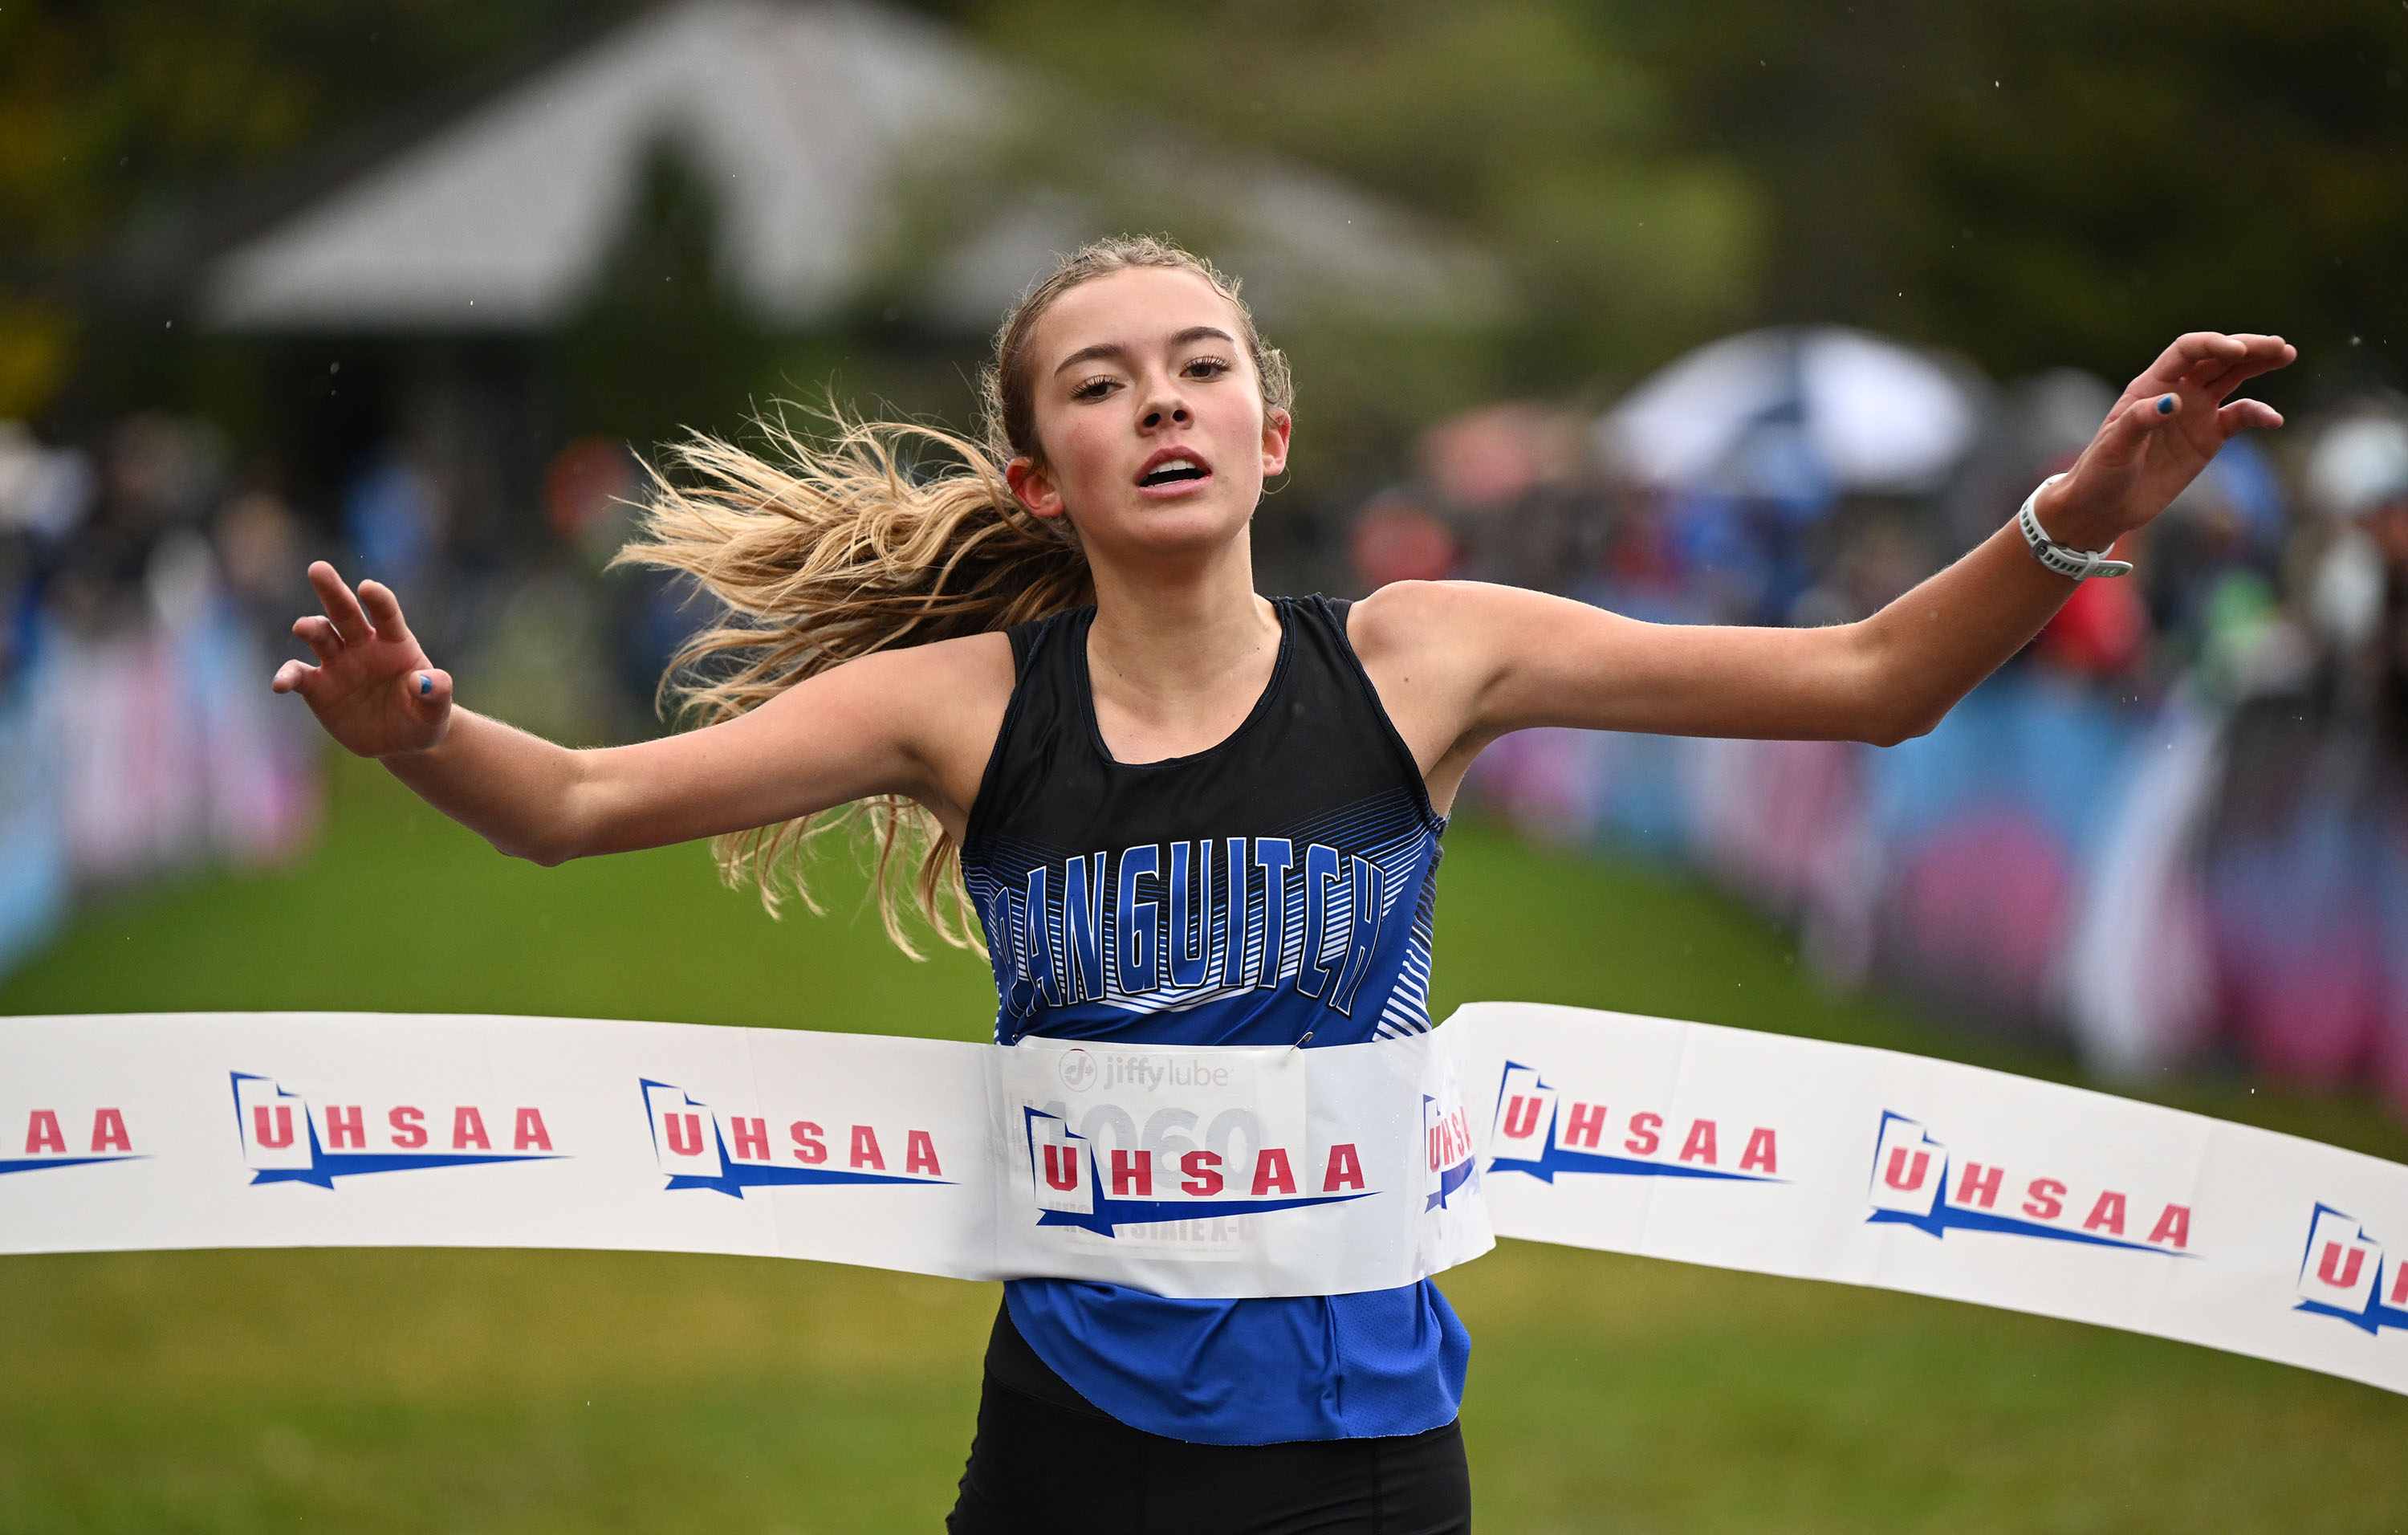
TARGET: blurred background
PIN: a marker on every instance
(1723, 312)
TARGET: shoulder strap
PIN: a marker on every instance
(1350, 675)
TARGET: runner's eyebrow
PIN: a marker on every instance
(1114, 348)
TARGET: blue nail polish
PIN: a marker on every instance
(425, 686)
(2166, 405)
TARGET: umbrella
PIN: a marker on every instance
(1797, 414)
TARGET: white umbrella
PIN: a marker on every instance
(1799, 412)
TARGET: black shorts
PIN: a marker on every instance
(1046, 1460)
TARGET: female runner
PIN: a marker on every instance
(1050, 669)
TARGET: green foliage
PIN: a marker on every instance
(665, 343)
(2031, 182)
(115, 115)
(1521, 123)
(2047, 181)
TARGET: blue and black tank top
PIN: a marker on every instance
(1276, 887)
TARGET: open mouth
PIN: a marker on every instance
(1171, 471)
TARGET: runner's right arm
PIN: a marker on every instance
(917, 721)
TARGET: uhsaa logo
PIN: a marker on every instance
(1177, 1181)
(1447, 1146)
(1541, 1132)
(1917, 1182)
(73, 1137)
(2346, 1273)
(730, 1153)
(286, 1138)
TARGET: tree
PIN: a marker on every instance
(122, 123)
(2041, 181)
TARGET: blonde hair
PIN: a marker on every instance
(824, 550)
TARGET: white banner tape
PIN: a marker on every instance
(1205, 1171)
(1185, 1171)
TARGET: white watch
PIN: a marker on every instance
(2079, 564)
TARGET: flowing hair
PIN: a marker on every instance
(870, 537)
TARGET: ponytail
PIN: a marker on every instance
(821, 550)
(823, 553)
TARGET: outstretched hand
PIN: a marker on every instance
(2171, 421)
(373, 688)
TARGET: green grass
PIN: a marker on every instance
(493, 1391)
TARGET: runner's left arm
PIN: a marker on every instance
(1459, 664)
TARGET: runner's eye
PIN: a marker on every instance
(1094, 388)
(1205, 367)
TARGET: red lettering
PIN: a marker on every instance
(1345, 1169)
(1133, 1173)
(274, 1133)
(108, 1131)
(1759, 1156)
(1700, 1144)
(42, 1132)
(919, 1155)
(808, 1147)
(1201, 1178)
(2334, 1273)
(685, 1134)
(1061, 1167)
(528, 1134)
(1903, 1174)
(343, 1128)
(864, 1148)
(2108, 1213)
(1643, 1141)
(1979, 1187)
(468, 1129)
(2174, 1226)
(751, 1138)
(1588, 1123)
(1450, 1139)
(1271, 1174)
(2046, 1201)
(2398, 1283)
(1521, 1118)
(407, 1131)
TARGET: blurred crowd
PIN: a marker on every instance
(136, 733)
(2174, 830)
(147, 593)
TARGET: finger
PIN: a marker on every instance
(430, 689)
(2220, 376)
(384, 609)
(2126, 435)
(2266, 354)
(2247, 415)
(319, 636)
(292, 676)
(2188, 352)
(342, 607)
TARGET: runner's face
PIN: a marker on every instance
(1149, 413)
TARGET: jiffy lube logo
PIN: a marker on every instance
(1123, 1135)
(1542, 1131)
(1918, 1182)
(700, 1147)
(67, 1135)
(2346, 1273)
(290, 1139)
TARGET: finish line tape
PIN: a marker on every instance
(1205, 1171)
